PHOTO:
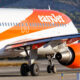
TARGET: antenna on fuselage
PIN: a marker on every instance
(49, 7)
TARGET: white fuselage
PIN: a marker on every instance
(15, 16)
(58, 31)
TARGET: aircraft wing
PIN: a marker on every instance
(27, 43)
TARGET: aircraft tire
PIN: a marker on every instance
(49, 69)
(34, 70)
(54, 69)
(24, 69)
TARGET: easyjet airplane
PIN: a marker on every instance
(45, 32)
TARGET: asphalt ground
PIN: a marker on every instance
(13, 72)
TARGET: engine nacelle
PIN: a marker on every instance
(71, 58)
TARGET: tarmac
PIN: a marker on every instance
(13, 72)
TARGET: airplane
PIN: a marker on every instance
(39, 31)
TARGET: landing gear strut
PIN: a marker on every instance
(51, 67)
(31, 67)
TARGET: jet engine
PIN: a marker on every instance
(70, 58)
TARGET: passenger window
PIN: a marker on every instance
(2, 24)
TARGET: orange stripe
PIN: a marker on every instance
(15, 31)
